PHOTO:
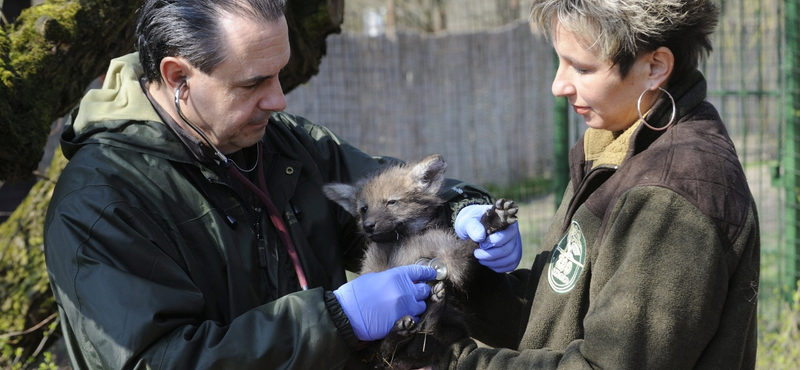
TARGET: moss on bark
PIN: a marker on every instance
(49, 55)
(25, 296)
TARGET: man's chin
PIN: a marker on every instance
(245, 141)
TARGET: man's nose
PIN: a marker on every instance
(273, 100)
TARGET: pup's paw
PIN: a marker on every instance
(502, 214)
(404, 326)
(437, 292)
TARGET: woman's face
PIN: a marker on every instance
(594, 87)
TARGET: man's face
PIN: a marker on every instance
(232, 104)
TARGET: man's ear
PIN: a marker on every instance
(661, 62)
(175, 71)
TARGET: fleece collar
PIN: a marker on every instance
(603, 147)
(120, 98)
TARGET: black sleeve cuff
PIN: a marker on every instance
(340, 320)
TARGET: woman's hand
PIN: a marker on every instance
(501, 251)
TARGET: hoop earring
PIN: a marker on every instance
(639, 110)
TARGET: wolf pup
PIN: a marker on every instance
(398, 210)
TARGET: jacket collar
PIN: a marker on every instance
(688, 92)
(119, 114)
(603, 147)
(599, 147)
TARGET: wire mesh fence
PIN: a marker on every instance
(482, 100)
(748, 83)
(476, 91)
(469, 80)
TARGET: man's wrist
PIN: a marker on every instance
(340, 321)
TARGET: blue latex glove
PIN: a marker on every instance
(501, 251)
(374, 301)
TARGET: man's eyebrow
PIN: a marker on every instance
(253, 80)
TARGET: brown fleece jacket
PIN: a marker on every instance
(649, 264)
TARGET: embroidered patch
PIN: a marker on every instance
(567, 260)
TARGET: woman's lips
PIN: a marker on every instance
(581, 110)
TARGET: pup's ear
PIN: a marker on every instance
(344, 195)
(428, 174)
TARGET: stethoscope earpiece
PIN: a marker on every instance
(221, 157)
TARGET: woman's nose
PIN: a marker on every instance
(562, 86)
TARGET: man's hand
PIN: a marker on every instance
(500, 251)
(374, 301)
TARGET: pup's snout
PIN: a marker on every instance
(369, 226)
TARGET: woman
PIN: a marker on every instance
(652, 260)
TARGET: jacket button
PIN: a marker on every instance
(289, 170)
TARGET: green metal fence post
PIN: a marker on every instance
(561, 145)
(791, 177)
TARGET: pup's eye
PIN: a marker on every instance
(363, 209)
(391, 202)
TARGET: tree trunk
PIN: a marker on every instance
(47, 58)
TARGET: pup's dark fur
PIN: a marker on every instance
(397, 210)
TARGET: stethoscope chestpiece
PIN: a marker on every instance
(436, 264)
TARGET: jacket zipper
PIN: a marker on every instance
(255, 218)
(251, 215)
(577, 196)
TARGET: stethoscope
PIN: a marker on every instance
(260, 191)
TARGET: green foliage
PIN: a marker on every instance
(25, 297)
(15, 358)
(779, 336)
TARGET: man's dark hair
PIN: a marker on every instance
(191, 29)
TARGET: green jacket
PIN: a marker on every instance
(651, 262)
(157, 261)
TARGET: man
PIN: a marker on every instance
(189, 229)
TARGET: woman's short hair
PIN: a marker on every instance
(191, 29)
(621, 30)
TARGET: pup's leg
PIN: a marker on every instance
(401, 333)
